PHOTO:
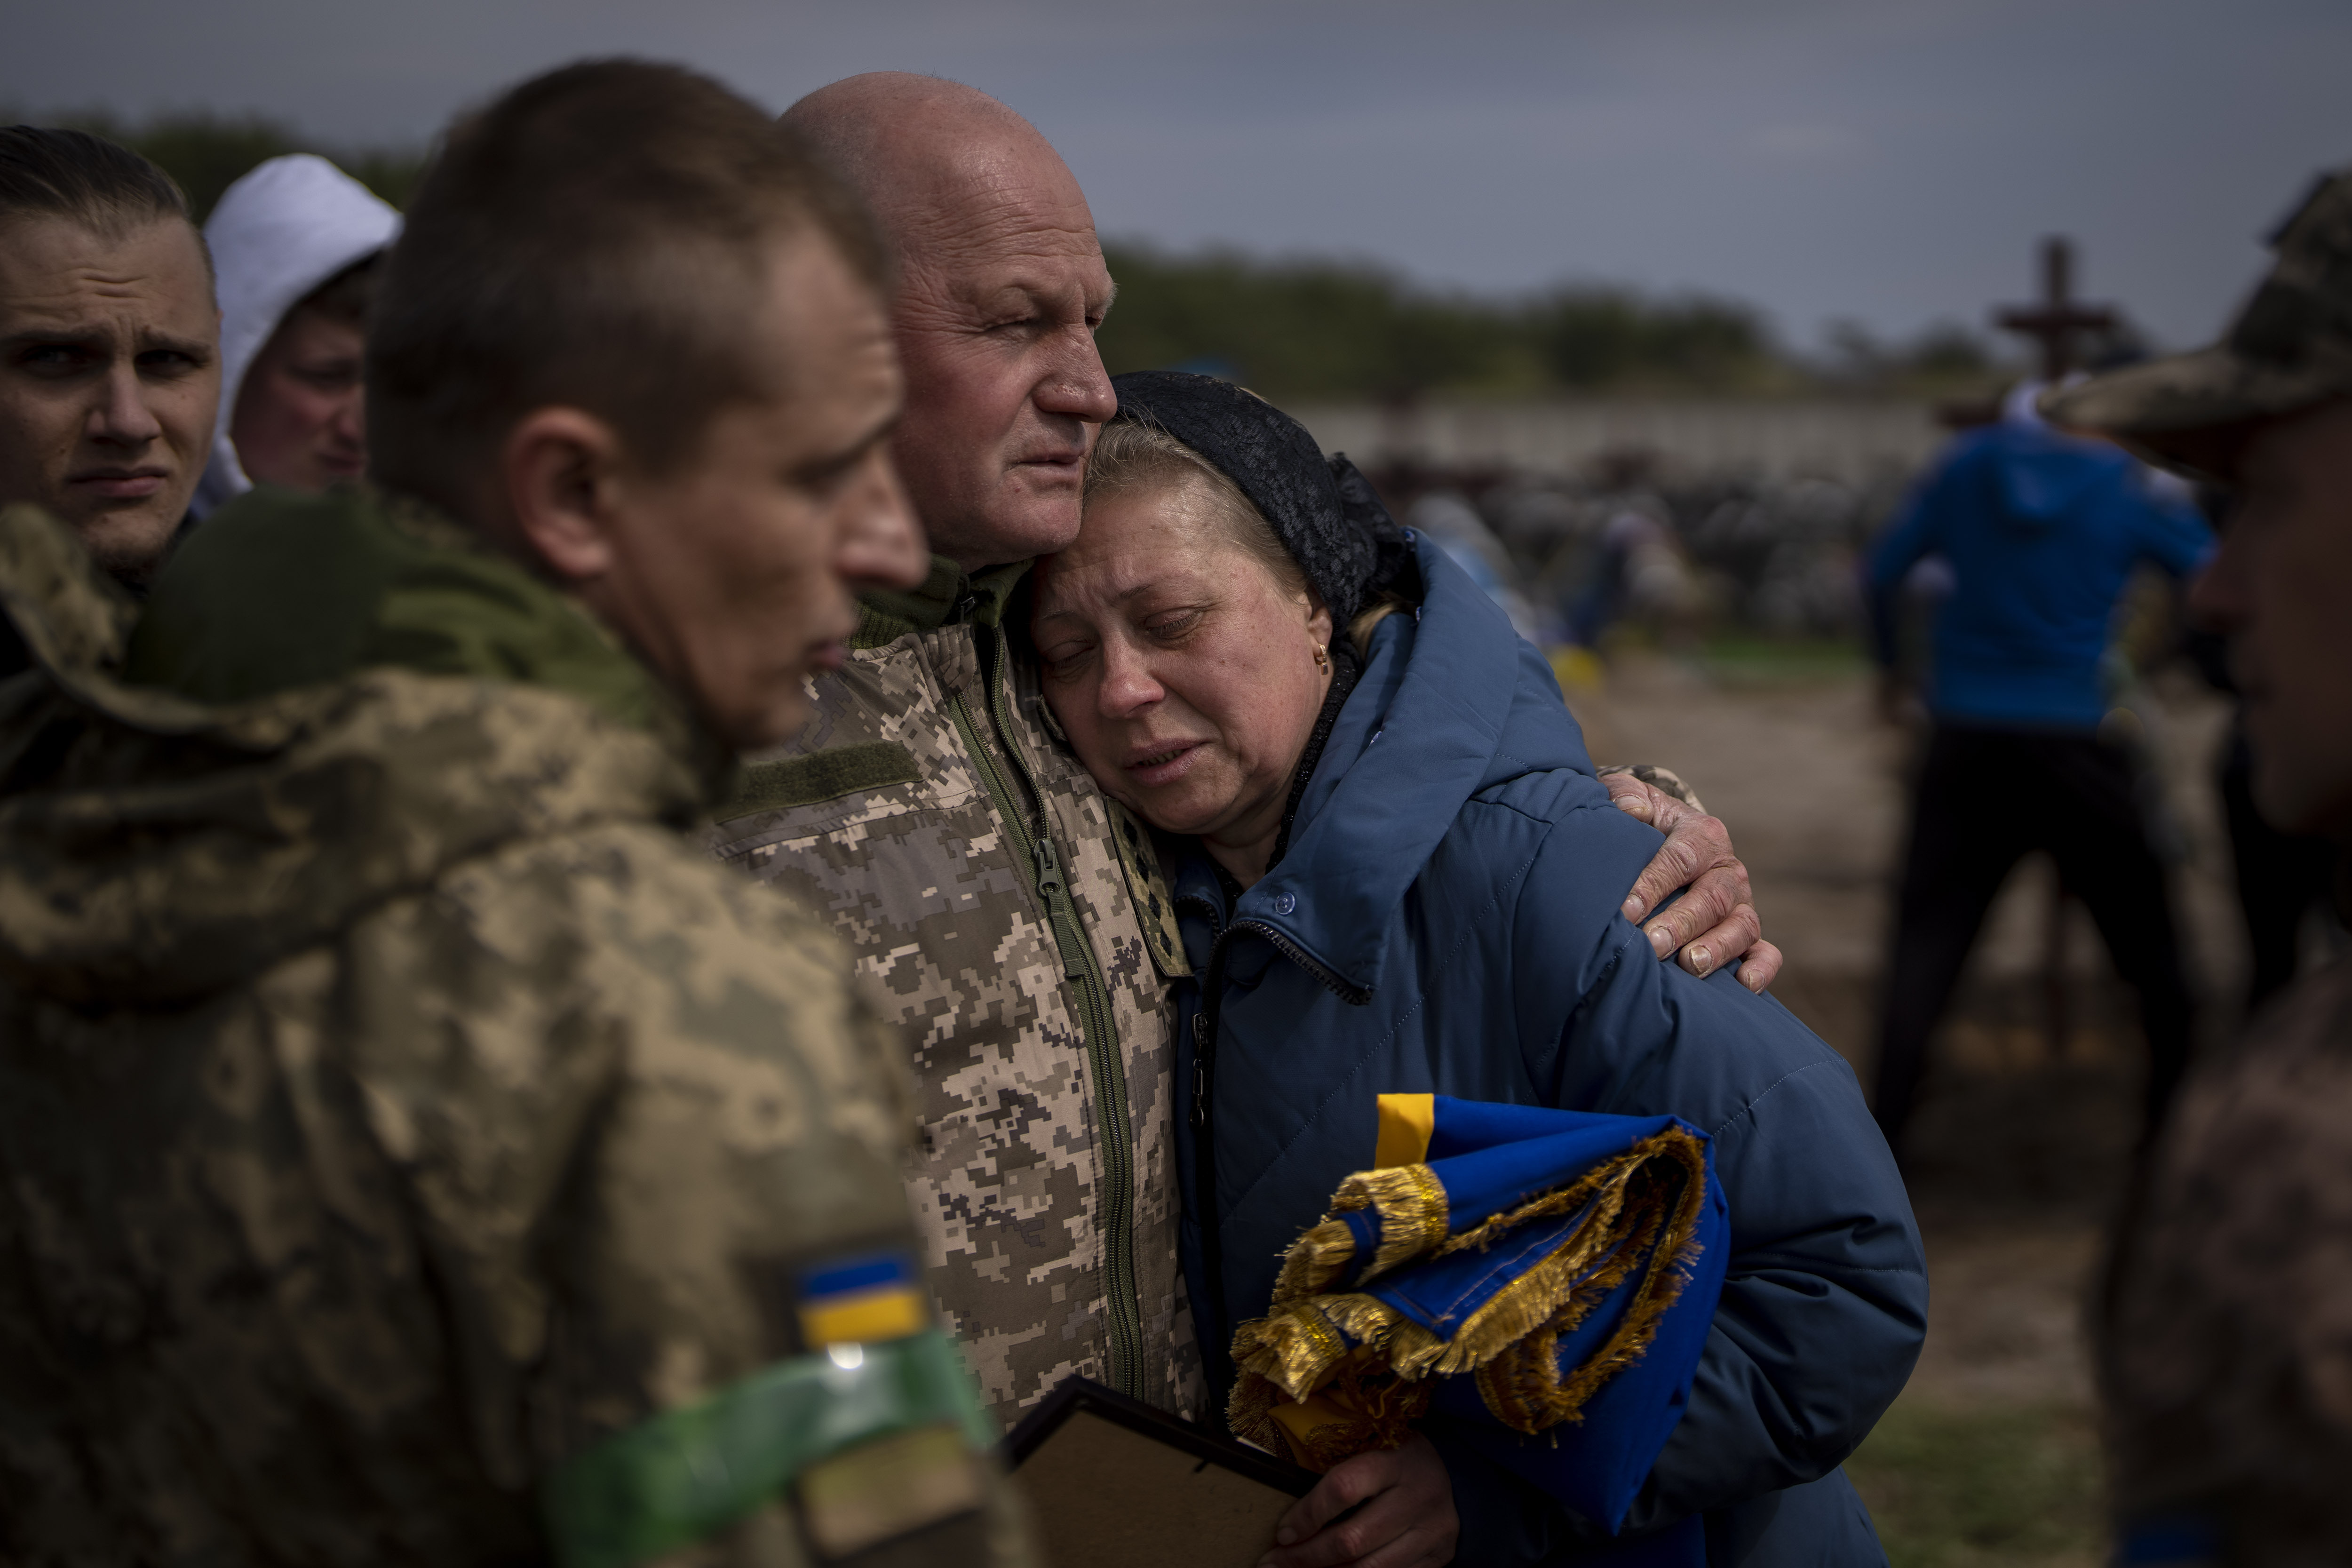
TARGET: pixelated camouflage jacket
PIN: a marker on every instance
(395, 1102)
(1016, 923)
(2228, 1362)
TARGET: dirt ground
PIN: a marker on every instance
(2019, 1149)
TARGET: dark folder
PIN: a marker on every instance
(1109, 1479)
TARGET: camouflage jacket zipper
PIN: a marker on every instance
(1034, 849)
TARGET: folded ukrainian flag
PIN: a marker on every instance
(1549, 1272)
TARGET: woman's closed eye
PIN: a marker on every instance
(1064, 659)
(1171, 625)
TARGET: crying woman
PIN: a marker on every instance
(1397, 874)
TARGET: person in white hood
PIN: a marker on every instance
(294, 243)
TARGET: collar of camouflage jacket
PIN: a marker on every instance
(155, 848)
(279, 589)
(948, 594)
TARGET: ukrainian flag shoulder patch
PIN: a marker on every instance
(864, 1299)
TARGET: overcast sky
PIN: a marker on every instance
(1890, 161)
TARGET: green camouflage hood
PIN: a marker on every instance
(2290, 349)
(439, 704)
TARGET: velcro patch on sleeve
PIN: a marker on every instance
(888, 1488)
(819, 1425)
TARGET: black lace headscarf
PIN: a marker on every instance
(1325, 513)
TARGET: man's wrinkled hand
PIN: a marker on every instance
(1714, 921)
(1408, 1521)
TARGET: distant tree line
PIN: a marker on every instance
(1310, 328)
(1318, 329)
(1302, 329)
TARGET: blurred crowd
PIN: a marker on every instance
(1670, 557)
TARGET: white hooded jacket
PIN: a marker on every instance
(280, 231)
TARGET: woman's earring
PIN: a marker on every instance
(1322, 659)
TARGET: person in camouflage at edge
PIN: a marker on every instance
(1014, 917)
(2227, 1363)
(413, 1147)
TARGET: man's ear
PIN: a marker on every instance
(559, 466)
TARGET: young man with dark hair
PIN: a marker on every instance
(623, 286)
(2228, 1337)
(110, 343)
(413, 1147)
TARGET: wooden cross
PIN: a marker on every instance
(2058, 319)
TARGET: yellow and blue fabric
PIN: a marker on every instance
(875, 1429)
(1552, 1272)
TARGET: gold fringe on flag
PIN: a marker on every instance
(1324, 1376)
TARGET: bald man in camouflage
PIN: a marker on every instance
(1015, 917)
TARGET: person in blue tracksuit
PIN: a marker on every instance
(2042, 531)
(1395, 872)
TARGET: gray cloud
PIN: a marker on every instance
(1892, 160)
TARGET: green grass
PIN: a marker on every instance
(1775, 659)
(1955, 1487)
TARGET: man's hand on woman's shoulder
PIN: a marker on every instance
(1715, 921)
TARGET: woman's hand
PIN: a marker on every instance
(1409, 1521)
(1714, 921)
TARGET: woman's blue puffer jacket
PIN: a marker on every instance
(1447, 919)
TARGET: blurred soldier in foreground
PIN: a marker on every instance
(2228, 1361)
(2282, 879)
(2043, 531)
(413, 1147)
(1016, 918)
(110, 348)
